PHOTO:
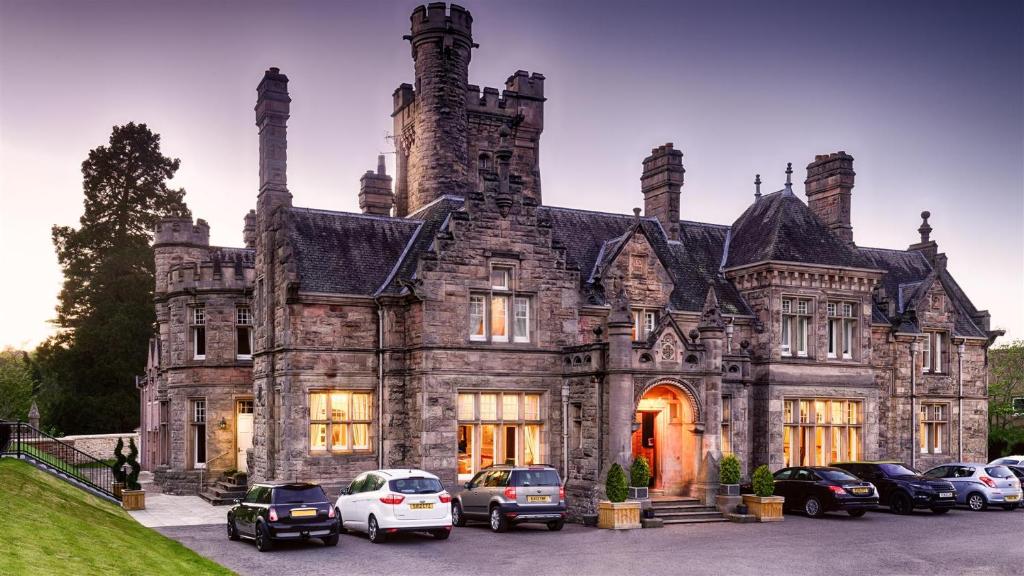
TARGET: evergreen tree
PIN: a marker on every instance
(105, 311)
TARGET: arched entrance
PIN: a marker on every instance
(665, 418)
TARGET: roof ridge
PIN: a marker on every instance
(355, 215)
(435, 201)
(614, 214)
(726, 226)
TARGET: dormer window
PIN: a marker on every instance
(500, 315)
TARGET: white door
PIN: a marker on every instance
(243, 433)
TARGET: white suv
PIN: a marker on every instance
(383, 502)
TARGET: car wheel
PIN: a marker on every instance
(498, 521)
(556, 525)
(341, 523)
(441, 534)
(263, 541)
(812, 507)
(901, 504)
(940, 510)
(232, 530)
(856, 513)
(373, 531)
(976, 502)
(458, 518)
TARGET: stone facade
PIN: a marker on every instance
(476, 324)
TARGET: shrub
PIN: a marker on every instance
(730, 470)
(639, 473)
(615, 485)
(764, 482)
(132, 481)
(117, 468)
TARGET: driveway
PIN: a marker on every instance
(879, 543)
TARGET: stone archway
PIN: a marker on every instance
(666, 422)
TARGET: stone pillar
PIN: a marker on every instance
(712, 334)
(828, 186)
(33, 415)
(620, 383)
(375, 195)
(661, 183)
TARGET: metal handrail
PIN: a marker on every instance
(207, 464)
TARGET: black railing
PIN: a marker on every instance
(24, 441)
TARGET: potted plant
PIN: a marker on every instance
(763, 504)
(117, 469)
(615, 512)
(729, 484)
(639, 478)
(133, 497)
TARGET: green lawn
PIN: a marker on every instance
(51, 527)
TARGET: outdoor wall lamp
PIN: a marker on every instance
(223, 424)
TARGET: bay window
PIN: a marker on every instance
(339, 421)
(820, 431)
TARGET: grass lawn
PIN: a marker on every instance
(51, 527)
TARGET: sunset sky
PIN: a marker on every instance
(927, 96)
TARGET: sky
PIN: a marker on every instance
(927, 96)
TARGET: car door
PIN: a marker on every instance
(367, 492)
(963, 480)
(800, 487)
(347, 503)
(782, 480)
(244, 512)
(474, 497)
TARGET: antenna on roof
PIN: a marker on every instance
(757, 187)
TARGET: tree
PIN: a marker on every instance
(1006, 383)
(105, 311)
(17, 384)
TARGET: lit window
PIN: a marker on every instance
(833, 435)
(499, 317)
(487, 437)
(198, 322)
(477, 318)
(243, 332)
(339, 421)
(726, 424)
(932, 426)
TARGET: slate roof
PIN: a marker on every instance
(779, 226)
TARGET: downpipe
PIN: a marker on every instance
(960, 349)
(380, 384)
(565, 432)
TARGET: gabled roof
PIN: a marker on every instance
(780, 227)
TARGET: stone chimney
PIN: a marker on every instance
(375, 195)
(927, 246)
(661, 183)
(829, 185)
(272, 111)
(249, 230)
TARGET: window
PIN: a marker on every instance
(576, 433)
(198, 425)
(198, 323)
(726, 424)
(934, 350)
(477, 318)
(522, 319)
(932, 426)
(501, 278)
(796, 325)
(644, 322)
(499, 317)
(842, 330)
(243, 333)
(1018, 406)
(497, 428)
(819, 431)
(339, 421)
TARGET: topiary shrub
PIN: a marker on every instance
(132, 481)
(764, 482)
(615, 485)
(117, 468)
(729, 470)
(640, 473)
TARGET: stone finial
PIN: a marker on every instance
(925, 228)
(789, 176)
(757, 186)
(636, 213)
(33, 415)
(621, 312)
(711, 315)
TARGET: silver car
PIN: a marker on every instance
(508, 495)
(1008, 461)
(979, 485)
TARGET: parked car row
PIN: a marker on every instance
(384, 502)
(856, 487)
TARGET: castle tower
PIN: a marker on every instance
(432, 155)
(828, 186)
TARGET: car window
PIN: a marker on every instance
(900, 470)
(252, 495)
(937, 472)
(784, 474)
(264, 496)
(478, 480)
(999, 471)
(418, 485)
(803, 474)
(373, 482)
(357, 485)
(544, 477)
(299, 495)
(837, 475)
(497, 479)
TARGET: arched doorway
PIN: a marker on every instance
(665, 436)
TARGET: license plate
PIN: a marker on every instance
(303, 512)
(861, 491)
(422, 506)
(538, 498)
(1013, 498)
(945, 494)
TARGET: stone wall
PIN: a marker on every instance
(100, 446)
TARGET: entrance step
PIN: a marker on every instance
(682, 510)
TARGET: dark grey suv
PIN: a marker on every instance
(509, 495)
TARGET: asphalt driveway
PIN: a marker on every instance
(960, 542)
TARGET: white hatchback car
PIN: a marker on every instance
(383, 502)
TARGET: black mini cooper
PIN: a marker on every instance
(902, 489)
(283, 512)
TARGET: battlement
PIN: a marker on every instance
(179, 230)
(437, 18)
(222, 269)
(521, 89)
(526, 85)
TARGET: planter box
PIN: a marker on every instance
(117, 488)
(727, 504)
(618, 515)
(765, 508)
(729, 489)
(638, 493)
(133, 499)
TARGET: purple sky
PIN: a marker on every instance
(927, 96)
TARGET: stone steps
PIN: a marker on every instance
(683, 510)
(222, 493)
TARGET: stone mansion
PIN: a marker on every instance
(458, 321)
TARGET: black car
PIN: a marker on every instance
(283, 512)
(902, 489)
(1018, 471)
(815, 490)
